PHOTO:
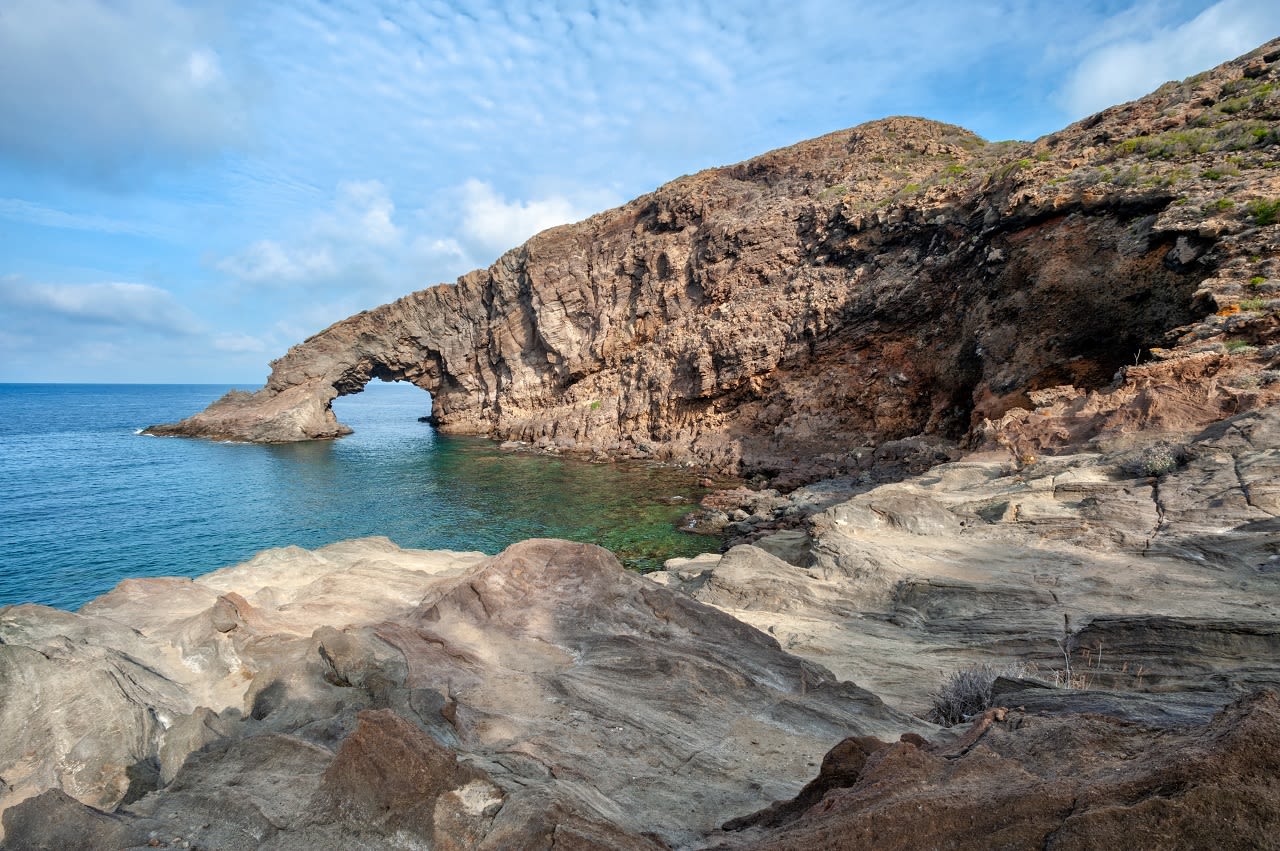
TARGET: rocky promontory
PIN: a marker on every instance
(904, 280)
(1028, 595)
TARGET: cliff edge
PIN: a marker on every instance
(902, 278)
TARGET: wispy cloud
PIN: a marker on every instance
(19, 210)
(114, 305)
(1134, 63)
(358, 242)
(241, 343)
(268, 262)
(105, 88)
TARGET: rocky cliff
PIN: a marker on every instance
(801, 311)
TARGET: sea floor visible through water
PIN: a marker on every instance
(85, 501)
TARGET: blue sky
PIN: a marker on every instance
(187, 189)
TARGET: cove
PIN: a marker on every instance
(88, 502)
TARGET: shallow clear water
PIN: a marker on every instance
(86, 502)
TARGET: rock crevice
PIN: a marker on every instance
(899, 279)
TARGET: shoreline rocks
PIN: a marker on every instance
(872, 301)
(567, 692)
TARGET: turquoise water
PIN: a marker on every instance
(86, 502)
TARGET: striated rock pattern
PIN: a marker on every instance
(797, 312)
(1155, 568)
(363, 696)
(1025, 781)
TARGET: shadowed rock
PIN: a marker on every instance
(792, 313)
(1033, 782)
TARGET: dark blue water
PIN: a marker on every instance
(86, 502)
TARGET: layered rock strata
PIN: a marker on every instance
(1155, 567)
(1024, 781)
(363, 696)
(794, 312)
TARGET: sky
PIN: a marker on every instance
(189, 188)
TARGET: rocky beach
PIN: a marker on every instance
(1007, 573)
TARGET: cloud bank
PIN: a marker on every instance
(1135, 64)
(100, 89)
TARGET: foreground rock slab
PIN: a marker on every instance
(361, 696)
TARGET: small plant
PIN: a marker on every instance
(1222, 204)
(1154, 461)
(1240, 347)
(966, 693)
(1234, 105)
(1257, 281)
(1254, 304)
(595, 405)
(1264, 212)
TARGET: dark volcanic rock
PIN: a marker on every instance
(860, 300)
(1072, 782)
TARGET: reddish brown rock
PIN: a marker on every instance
(792, 313)
(1075, 782)
(390, 777)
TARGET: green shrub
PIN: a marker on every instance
(1240, 347)
(1264, 212)
(1218, 173)
(1257, 281)
(1254, 304)
(1231, 107)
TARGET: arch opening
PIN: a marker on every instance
(385, 405)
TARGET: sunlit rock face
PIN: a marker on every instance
(901, 280)
(361, 695)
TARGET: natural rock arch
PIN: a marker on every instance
(803, 309)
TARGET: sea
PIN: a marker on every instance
(86, 500)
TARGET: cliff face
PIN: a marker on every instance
(903, 278)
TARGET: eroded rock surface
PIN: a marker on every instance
(1165, 585)
(1034, 782)
(797, 312)
(362, 696)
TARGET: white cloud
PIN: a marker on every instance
(353, 237)
(356, 243)
(363, 214)
(106, 88)
(1136, 64)
(268, 262)
(112, 305)
(492, 224)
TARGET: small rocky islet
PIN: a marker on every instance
(1017, 408)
